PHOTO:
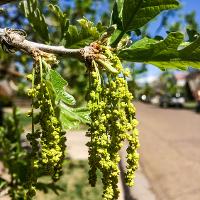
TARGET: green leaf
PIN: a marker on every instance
(171, 52)
(115, 35)
(136, 13)
(116, 16)
(61, 18)
(36, 18)
(88, 33)
(59, 84)
(72, 117)
(3, 184)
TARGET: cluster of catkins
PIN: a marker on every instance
(112, 122)
(47, 138)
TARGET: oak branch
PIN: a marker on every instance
(15, 40)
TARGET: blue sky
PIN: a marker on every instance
(190, 5)
(187, 7)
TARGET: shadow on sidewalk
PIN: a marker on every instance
(126, 190)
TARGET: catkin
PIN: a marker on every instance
(48, 140)
(112, 122)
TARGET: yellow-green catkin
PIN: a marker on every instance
(48, 139)
(112, 122)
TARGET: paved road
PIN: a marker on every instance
(170, 151)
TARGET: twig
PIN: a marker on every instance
(13, 40)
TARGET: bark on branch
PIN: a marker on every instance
(15, 40)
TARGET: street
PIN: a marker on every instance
(170, 151)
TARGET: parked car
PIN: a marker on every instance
(155, 100)
(176, 100)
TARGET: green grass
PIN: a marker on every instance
(190, 105)
(75, 184)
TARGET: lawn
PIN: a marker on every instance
(190, 105)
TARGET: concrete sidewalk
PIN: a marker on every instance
(142, 189)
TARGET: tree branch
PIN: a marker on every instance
(13, 40)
